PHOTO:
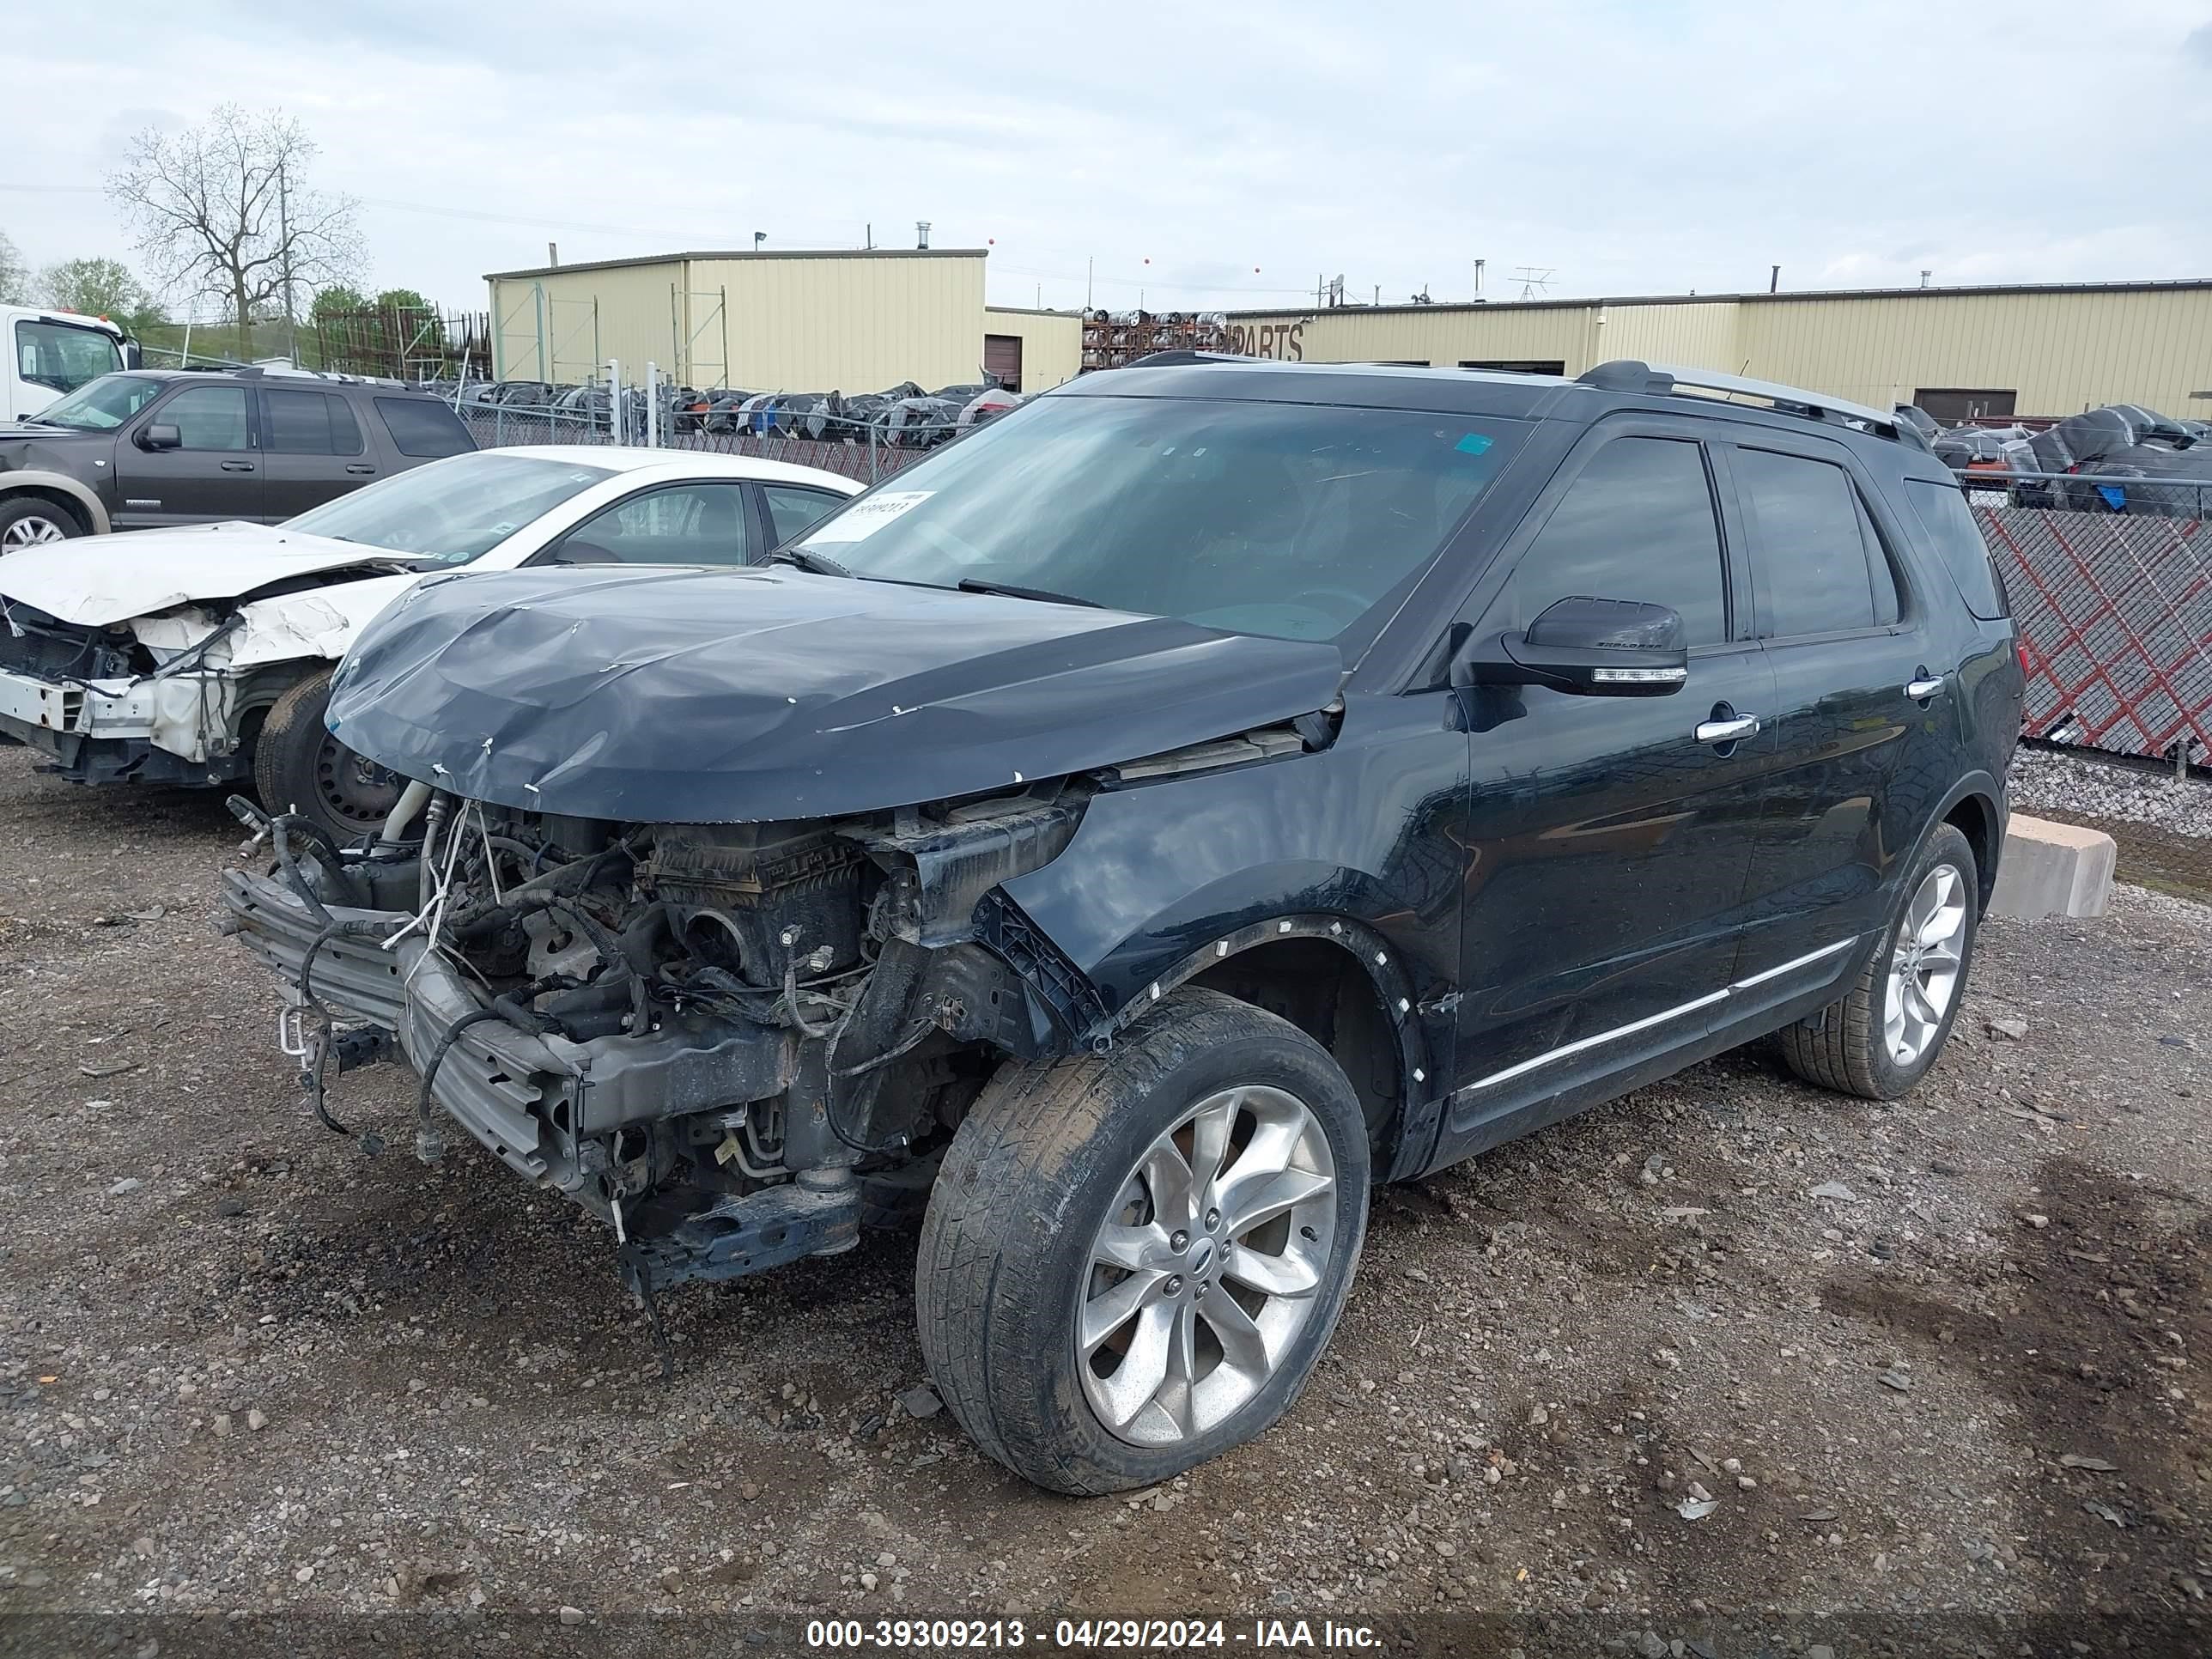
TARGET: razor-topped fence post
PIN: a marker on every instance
(614, 401)
(652, 405)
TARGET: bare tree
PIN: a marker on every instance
(223, 209)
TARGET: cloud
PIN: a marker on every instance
(2199, 46)
(1632, 148)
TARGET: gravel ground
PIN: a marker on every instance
(1927, 1368)
(2051, 782)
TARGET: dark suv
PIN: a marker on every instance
(153, 447)
(1133, 831)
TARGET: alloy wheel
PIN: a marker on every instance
(1924, 963)
(1207, 1266)
(34, 529)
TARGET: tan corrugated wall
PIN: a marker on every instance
(1052, 344)
(588, 316)
(844, 325)
(2058, 352)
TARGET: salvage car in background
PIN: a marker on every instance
(203, 656)
(155, 448)
(1143, 824)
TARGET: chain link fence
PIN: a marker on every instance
(2115, 613)
(588, 419)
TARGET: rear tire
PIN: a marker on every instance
(34, 521)
(1851, 1046)
(299, 767)
(1057, 1162)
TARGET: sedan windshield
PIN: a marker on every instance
(99, 404)
(453, 511)
(1285, 520)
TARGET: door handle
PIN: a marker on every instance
(1921, 690)
(1728, 731)
(238, 466)
(358, 467)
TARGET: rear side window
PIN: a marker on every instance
(423, 427)
(1815, 561)
(1637, 524)
(1959, 546)
(309, 423)
(793, 509)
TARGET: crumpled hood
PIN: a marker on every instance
(98, 580)
(686, 697)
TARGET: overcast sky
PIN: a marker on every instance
(1242, 150)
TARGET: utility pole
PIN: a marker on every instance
(1090, 263)
(285, 231)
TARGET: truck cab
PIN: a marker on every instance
(52, 353)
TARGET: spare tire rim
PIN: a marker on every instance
(32, 530)
(1213, 1257)
(355, 789)
(1924, 963)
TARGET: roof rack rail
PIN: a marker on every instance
(1183, 355)
(1660, 380)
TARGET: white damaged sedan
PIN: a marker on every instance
(203, 655)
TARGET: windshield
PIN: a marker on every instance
(107, 402)
(453, 510)
(1285, 520)
(63, 356)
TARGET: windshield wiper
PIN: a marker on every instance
(806, 559)
(1043, 595)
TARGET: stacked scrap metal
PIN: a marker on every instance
(1114, 339)
(2126, 459)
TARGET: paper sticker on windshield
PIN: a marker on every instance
(863, 519)
(1474, 444)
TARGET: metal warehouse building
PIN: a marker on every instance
(809, 320)
(865, 319)
(1956, 351)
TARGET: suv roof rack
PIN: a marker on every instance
(1180, 356)
(1660, 380)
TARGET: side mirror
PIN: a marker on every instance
(161, 435)
(1594, 647)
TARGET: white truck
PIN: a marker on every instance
(50, 352)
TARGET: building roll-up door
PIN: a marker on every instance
(1002, 360)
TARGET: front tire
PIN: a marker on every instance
(1882, 1036)
(299, 767)
(1132, 1262)
(32, 521)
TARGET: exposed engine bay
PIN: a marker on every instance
(730, 1041)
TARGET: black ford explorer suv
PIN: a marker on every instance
(1136, 829)
(153, 448)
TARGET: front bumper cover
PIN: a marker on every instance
(156, 729)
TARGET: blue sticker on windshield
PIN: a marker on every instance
(1474, 444)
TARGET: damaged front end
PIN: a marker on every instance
(732, 1042)
(154, 701)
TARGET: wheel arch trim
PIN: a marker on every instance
(1419, 1091)
(33, 483)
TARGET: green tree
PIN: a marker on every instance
(101, 288)
(334, 300)
(14, 275)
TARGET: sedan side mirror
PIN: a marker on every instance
(1595, 647)
(161, 435)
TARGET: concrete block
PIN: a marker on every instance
(2052, 870)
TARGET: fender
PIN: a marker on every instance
(1164, 878)
(59, 483)
(1993, 795)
